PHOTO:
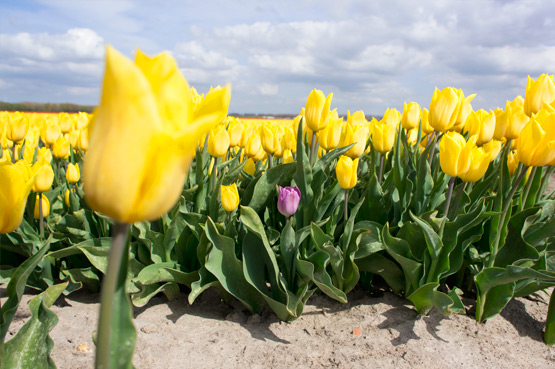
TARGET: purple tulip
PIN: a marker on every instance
(288, 200)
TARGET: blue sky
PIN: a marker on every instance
(372, 55)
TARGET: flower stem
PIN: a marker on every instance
(432, 150)
(524, 196)
(41, 218)
(380, 173)
(457, 201)
(270, 161)
(449, 195)
(508, 201)
(109, 284)
(346, 205)
(214, 174)
(313, 149)
(13, 154)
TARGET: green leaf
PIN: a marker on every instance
(385, 268)
(427, 296)
(225, 266)
(170, 289)
(15, 289)
(314, 269)
(31, 346)
(549, 336)
(288, 251)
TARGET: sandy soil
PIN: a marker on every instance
(371, 331)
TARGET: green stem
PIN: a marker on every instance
(214, 174)
(457, 201)
(432, 150)
(313, 149)
(346, 205)
(270, 161)
(449, 194)
(380, 173)
(109, 283)
(506, 204)
(13, 153)
(41, 218)
(524, 196)
(545, 180)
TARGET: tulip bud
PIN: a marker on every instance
(17, 127)
(218, 142)
(512, 162)
(391, 117)
(346, 171)
(250, 167)
(538, 92)
(317, 110)
(287, 157)
(235, 131)
(50, 133)
(288, 200)
(383, 136)
(45, 177)
(479, 162)
(73, 173)
(268, 138)
(516, 119)
(411, 115)
(426, 127)
(357, 134)
(229, 197)
(481, 124)
(536, 143)
(61, 148)
(45, 207)
(444, 108)
(454, 153)
(16, 181)
(329, 137)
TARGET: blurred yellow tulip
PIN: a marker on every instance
(516, 119)
(73, 174)
(61, 148)
(479, 162)
(144, 135)
(45, 207)
(17, 127)
(16, 181)
(538, 92)
(218, 141)
(383, 136)
(536, 143)
(346, 171)
(44, 176)
(411, 115)
(287, 157)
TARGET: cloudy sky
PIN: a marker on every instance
(371, 54)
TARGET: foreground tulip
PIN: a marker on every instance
(538, 92)
(229, 197)
(16, 181)
(536, 143)
(288, 200)
(479, 162)
(481, 124)
(454, 153)
(444, 108)
(143, 137)
(346, 172)
(317, 110)
(17, 127)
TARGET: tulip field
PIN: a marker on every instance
(159, 191)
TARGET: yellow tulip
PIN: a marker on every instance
(61, 148)
(44, 154)
(250, 167)
(44, 176)
(464, 111)
(287, 157)
(479, 162)
(454, 153)
(411, 115)
(444, 108)
(500, 124)
(16, 181)
(346, 171)
(65, 121)
(383, 136)
(290, 138)
(83, 140)
(73, 174)
(17, 127)
(317, 110)
(248, 131)
(45, 207)
(235, 131)
(254, 146)
(268, 138)
(218, 142)
(512, 162)
(330, 136)
(516, 119)
(538, 92)
(391, 117)
(50, 132)
(536, 143)
(426, 127)
(143, 136)
(481, 124)
(357, 134)
(229, 197)
(494, 148)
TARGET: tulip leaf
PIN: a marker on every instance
(378, 264)
(314, 269)
(265, 188)
(549, 336)
(288, 251)
(224, 265)
(427, 296)
(170, 289)
(31, 346)
(15, 289)
(370, 241)
(80, 276)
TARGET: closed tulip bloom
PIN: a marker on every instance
(218, 142)
(481, 124)
(280, 141)
(411, 115)
(254, 146)
(383, 136)
(464, 111)
(45, 207)
(288, 200)
(16, 181)
(229, 197)
(512, 162)
(83, 140)
(73, 174)
(357, 134)
(536, 143)
(391, 117)
(250, 167)
(65, 121)
(454, 153)
(444, 108)
(235, 131)
(17, 127)
(61, 148)
(268, 138)
(479, 162)
(329, 137)
(516, 120)
(287, 157)
(538, 92)
(346, 171)
(143, 136)
(248, 131)
(44, 154)
(500, 124)
(426, 127)
(44, 176)
(317, 110)
(290, 138)
(50, 132)
(494, 148)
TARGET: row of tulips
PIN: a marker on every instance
(430, 203)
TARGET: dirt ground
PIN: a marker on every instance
(371, 331)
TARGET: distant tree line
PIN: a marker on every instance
(46, 107)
